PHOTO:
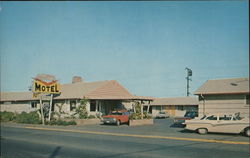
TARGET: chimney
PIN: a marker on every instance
(76, 79)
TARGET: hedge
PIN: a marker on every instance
(29, 118)
(61, 122)
(6, 116)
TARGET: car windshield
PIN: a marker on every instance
(116, 113)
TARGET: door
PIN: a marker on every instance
(211, 123)
(227, 124)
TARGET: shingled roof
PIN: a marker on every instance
(225, 86)
(16, 96)
(109, 90)
(175, 101)
(92, 90)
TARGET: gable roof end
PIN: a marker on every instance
(110, 90)
(224, 86)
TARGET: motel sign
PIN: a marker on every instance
(40, 86)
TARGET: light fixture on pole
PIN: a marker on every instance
(189, 74)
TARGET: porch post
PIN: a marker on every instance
(134, 106)
(50, 106)
(99, 107)
(141, 110)
(148, 109)
(96, 105)
(41, 105)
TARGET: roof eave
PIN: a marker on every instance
(221, 93)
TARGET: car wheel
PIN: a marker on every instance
(118, 123)
(202, 131)
(247, 132)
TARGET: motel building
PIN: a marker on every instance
(103, 97)
(229, 95)
(176, 106)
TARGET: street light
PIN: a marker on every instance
(189, 74)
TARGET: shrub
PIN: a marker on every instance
(60, 111)
(137, 112)
(135, 116)
(72, 123)
(61, 122)
(146, 116)
(81, 110)
(29, 118)
(6, 116)
(91, 117)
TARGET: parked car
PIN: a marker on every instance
(116, 117)
(188, 116)
(162, 114)
(221, 123)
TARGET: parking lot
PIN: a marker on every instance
(19, 140)
(161, 127)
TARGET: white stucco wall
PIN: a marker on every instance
(18, 108)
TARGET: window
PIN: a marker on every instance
(92, 105)
(72, 105)
(201, 98)
(225, 117)
(158, 107)
(126, 113)
(116, 113)
(212, 117)
(247, 100)
(20, 102)
(180, 107)
(7, 102)
(33, 104)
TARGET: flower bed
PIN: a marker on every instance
(141, 122)
(85, 121)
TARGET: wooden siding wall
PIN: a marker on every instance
(224, 104)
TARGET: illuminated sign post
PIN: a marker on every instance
(44, 88)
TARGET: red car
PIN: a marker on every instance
(116, 117)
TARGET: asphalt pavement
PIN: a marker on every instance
(107, 141)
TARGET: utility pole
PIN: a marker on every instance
(189, 74)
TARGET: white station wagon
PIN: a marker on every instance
(220, 123)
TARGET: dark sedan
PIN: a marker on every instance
(188, 116)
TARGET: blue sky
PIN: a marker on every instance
(145, 46)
